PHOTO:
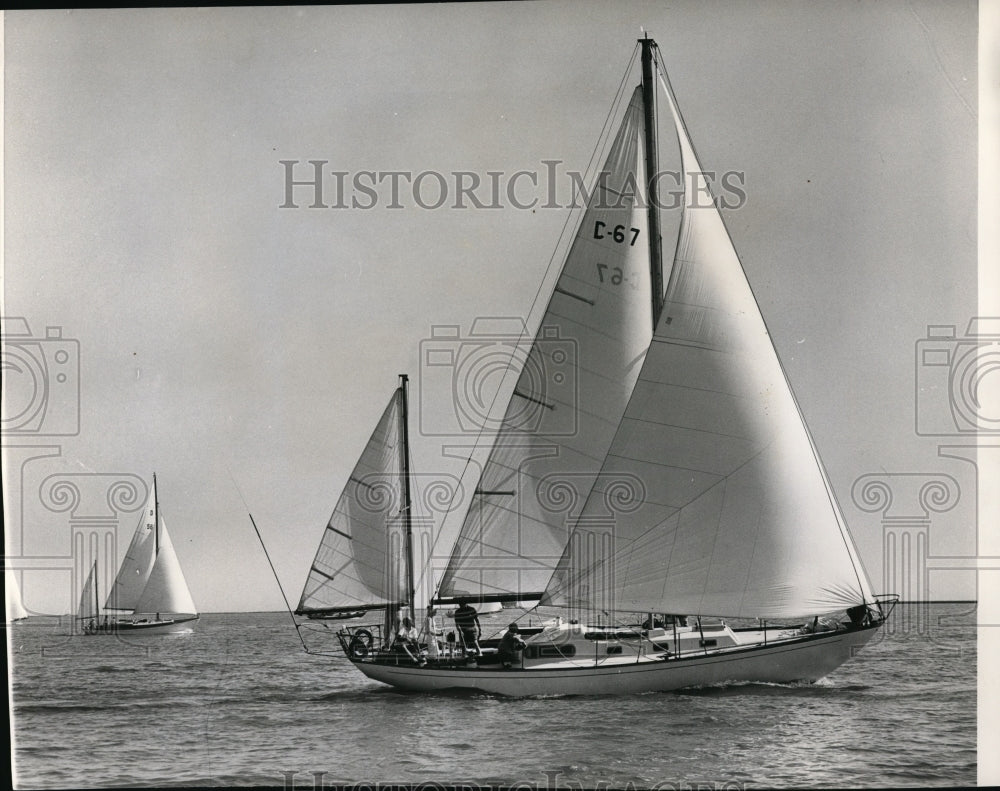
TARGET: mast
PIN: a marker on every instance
(156, 519)
(404, 465)
(652, 168)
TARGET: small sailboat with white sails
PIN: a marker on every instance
(149, 593)
(674, 490)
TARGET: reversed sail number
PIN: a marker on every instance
(616, 274)
(618, 234)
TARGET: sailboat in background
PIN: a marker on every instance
(12, 597)
(89, 611)
(672, 484)
(150, 584)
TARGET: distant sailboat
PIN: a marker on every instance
(336, 616)
(89, 611)
(150, 585)
(679, 477)
(12, 596)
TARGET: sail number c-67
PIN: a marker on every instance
(618, 234)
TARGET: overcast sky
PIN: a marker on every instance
(232, 345)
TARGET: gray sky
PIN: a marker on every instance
(222, 338)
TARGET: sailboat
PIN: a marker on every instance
(671, 509)
(150, 587)
(89, 611)
(12, 596)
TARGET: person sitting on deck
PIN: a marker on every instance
(653, 622)
(407, 633)
(406, 640)
(511, 646)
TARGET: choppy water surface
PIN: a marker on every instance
(237, 702)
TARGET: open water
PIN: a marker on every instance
(238, 702)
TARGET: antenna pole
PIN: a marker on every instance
(405, 472)
(652, 168)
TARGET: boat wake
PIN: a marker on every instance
(768, 688)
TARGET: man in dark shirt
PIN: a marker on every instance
(467, 621)
(511, 646)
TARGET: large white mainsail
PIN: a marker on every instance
(133, 574)
(556, 432)
(736, 515)
(12, 597)
(360, 561)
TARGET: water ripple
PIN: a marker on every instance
(244, 707)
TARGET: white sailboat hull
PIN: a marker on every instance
(158, 627)
(807, 659)
(166, 626)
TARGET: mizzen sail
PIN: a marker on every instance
(572, 391)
